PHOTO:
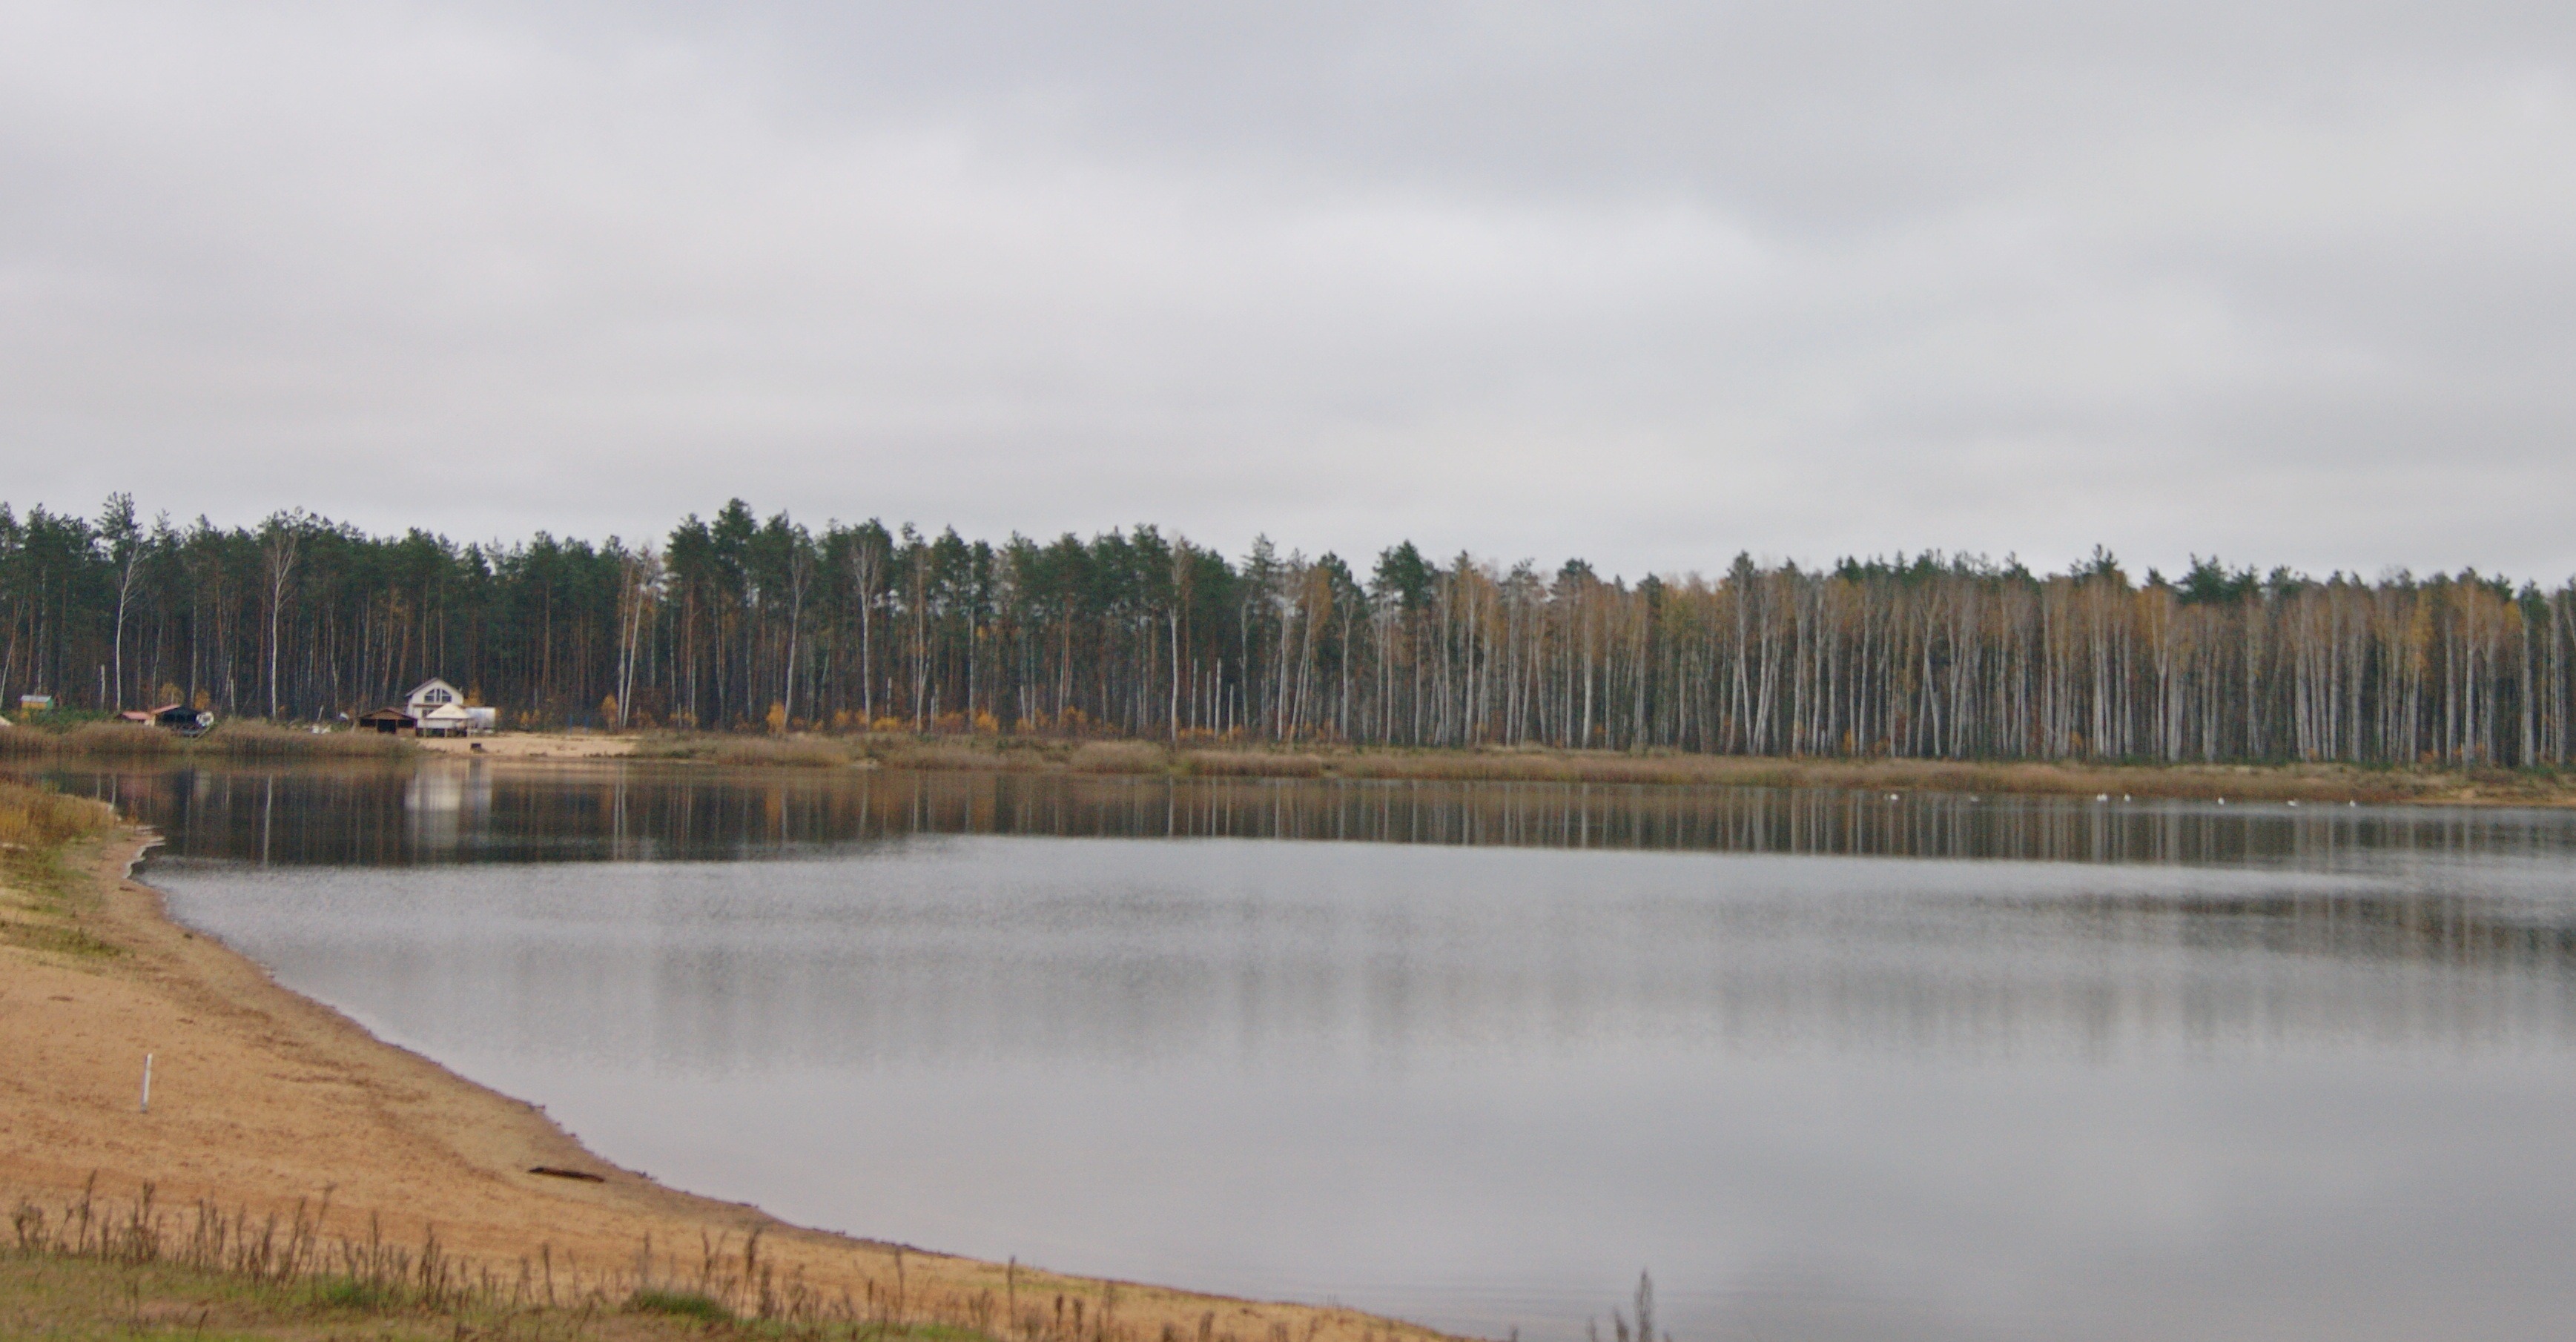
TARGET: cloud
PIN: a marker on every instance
(1647, 284)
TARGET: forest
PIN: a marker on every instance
(734, 622)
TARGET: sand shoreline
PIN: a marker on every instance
(262, 1099)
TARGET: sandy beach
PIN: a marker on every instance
(262, 1099)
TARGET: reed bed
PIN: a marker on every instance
(1251, 764)
(982, 754)
(41, 906)
(807, 752)
(243, 738)
(1118, 757)
(34, 819)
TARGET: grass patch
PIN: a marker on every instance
(354, 1293)
(37, 886)
(36, 819)
(91, 1268)
(678, 1304)
(64, 1299)
(59, 939)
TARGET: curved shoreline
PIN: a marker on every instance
(264, 1099)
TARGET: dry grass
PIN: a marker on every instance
(237, 738)
(986, 754)
(1118, 757)
(36, 819)
(40, 907)
(89, 1269)
(1252, 764)
(803, 752)
(248, 738)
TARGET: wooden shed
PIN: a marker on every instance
(387, 720)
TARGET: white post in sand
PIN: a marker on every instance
(147, 1083)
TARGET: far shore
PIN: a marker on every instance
(2424, 785)
(266, 1103)
(252, 741)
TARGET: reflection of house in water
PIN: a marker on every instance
(443, 807)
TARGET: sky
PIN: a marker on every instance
(1652, 284)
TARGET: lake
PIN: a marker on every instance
(1830, 1065)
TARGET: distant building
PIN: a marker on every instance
(436, 709)
(430, 694)
(171, 717)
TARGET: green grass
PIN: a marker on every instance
(679, 1304)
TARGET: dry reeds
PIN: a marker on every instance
(241, 738)
(34, 819)
(248, 738)
(969, 753)
(810, 752)
(1251, 764)
(795, 752)
(1118, 757)
(21, 742)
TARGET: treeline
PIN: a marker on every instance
(734, 622)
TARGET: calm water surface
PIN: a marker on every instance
(1831, 1065)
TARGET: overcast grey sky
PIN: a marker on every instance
(1649, 283)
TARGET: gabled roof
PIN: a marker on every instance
(423, 687)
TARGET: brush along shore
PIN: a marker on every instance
(2244, 782)
(286, 1148)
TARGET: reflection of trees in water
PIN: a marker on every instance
(2419, 923)
(365, 815)
(2187, 926)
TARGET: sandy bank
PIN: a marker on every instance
(261, 1098)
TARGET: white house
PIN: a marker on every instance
(430, 694)
(438, 710)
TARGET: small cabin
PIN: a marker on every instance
(392, 721)
(171, 717)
